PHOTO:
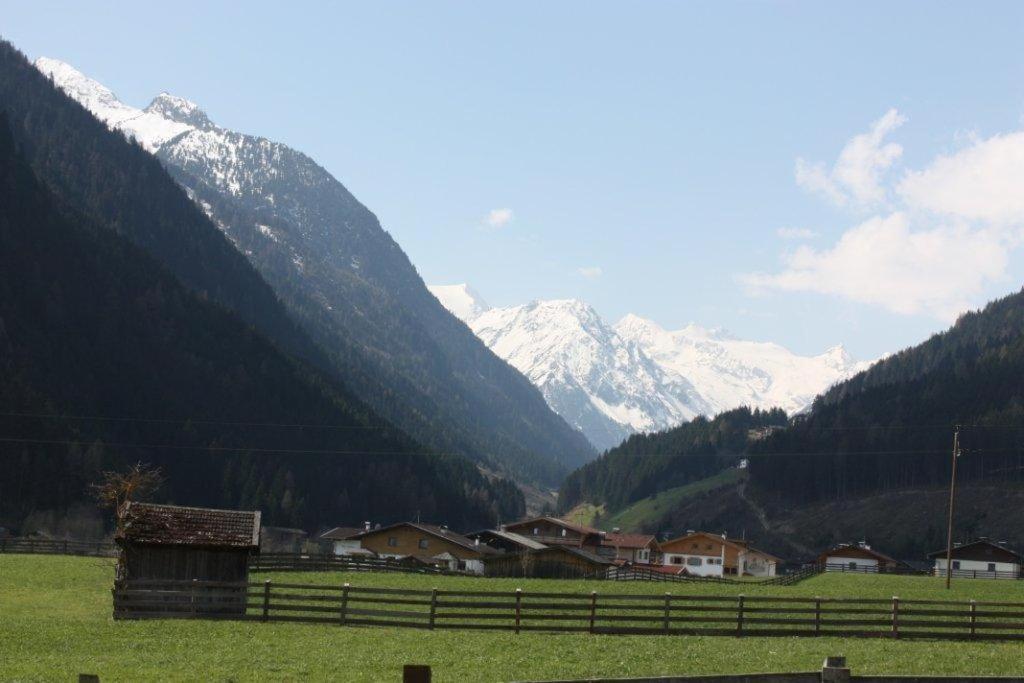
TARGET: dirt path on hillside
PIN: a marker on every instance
(762, 517)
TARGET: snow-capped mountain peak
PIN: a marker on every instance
(180, 110)
(637, 376)
(149, 129)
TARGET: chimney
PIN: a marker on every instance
(476, 541)
(366, 525)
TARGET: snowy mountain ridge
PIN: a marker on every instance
(612, 380)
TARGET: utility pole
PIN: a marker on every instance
(952, 494)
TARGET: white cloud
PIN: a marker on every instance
(590, 272)
(946, 236)
(856, 177)
(498, 218)
(796, 233)
(983, 182)
(936, 271)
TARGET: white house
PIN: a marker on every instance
(705, 554)
(982, 559)
(857, 557)
(345, 540)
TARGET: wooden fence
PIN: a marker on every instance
(297, 562)
(605, 613)
(909, 571)
(55, 547)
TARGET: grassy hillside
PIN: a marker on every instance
(55, 623)
(647, 513)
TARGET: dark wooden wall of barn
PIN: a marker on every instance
(176, 562)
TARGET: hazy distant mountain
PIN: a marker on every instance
(637, 377)
(349, 285)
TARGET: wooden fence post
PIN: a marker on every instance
(433, 607)
(593, 609)
(266, 600)
(668, 605)
(739, 616)
(974, 617)
(343, 617)
(195, 586)
(895, 617)
(519, 605)
(817, 615)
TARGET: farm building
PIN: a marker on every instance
(707, 554)
(633, 548)
(505, 541)
(858, 557)
(344, 540)
(552, 562)
(980, 559)
(434, 545)
(171, 542)
(554, 531)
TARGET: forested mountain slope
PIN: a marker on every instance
(137, 366)
(350, 286)
(645, 464)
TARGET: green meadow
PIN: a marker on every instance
(55, 622)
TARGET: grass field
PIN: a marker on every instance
(55, 623)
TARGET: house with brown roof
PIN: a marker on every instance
(554, 531)
(170, 542)
(427, 543)
(505, 541)
(632, 548)
(705, 554)
(858, 557)
(982, 559)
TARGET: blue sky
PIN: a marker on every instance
(647, 155)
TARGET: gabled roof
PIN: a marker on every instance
(846, 547)
(188, 526)
(584, 530)
(978, 547)
(579, 552)
(511, 537)
(341, 533)
(630, 540)
(436, 531)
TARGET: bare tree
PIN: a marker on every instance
(115, 489)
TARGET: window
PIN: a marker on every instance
(956, 564)
(536, 531)
(392, 541)
(563, 533)
(424, 543)
(991, 566)
(708, 546)
(694, 561)
(853, 565)
(676, 559)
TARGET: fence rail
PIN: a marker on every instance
(56, 547)
(605, 613)
(909, 571)
(292, 562)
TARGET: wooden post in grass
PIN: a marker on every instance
(834, 670)
(593, 609)
(416, 673)
(266, 600)
(974, 617)
(739, 616)
(433, 607)
(343, 616)
(817, 615)
(664, 618)
(895, 617)
(519, 605)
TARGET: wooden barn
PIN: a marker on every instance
(168, 542)
(555, 562)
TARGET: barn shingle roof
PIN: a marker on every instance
(189, 526)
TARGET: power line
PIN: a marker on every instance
(102, 418)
